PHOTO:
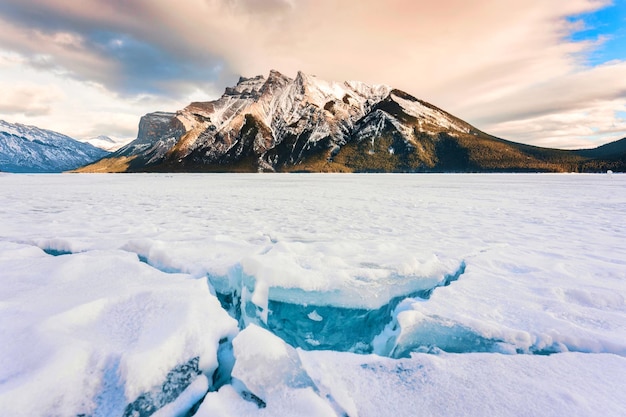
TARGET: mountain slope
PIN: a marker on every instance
(611, 156)
(612, 149)
(308, 124)
(31, 149)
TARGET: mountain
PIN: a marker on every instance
(611, 156)
(31, 149)
(308, 124)
(613, 149)
(106, 143)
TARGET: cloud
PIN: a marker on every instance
(568, 129)
(415, 45)
(116, 44)
(580, 108)
(564, 93)
(78, 109)
(28, 99)
(491, 63)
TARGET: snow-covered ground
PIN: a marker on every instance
(320, 295)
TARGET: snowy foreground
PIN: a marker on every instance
(312, 295)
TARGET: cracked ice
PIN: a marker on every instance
(357, 295)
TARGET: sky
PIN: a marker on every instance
(543, 72)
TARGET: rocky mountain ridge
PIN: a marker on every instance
(31, 149)
(278, 123)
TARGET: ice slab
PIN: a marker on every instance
(476, 384)
(268, 380)
(555, 304)
(89, 333)
(264, 362)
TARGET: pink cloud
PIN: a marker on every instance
(491, 63)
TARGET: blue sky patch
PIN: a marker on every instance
(609, 23)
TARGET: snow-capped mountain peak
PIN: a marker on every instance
(246, 87)
(30, 133)
(279, 121)
(106, 143)
(31, 149)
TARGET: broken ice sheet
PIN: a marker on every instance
(544, 274)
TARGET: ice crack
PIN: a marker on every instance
(314, 327)
(56, 252)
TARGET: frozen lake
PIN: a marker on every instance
(359, 295)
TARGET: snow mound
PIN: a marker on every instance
(94, 331)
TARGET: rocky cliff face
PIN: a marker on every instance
(305, 123)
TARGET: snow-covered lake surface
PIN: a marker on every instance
(312, 295)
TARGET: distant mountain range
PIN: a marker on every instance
(106, 143)
(308, 124)
(303, 124)
(31, 149)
